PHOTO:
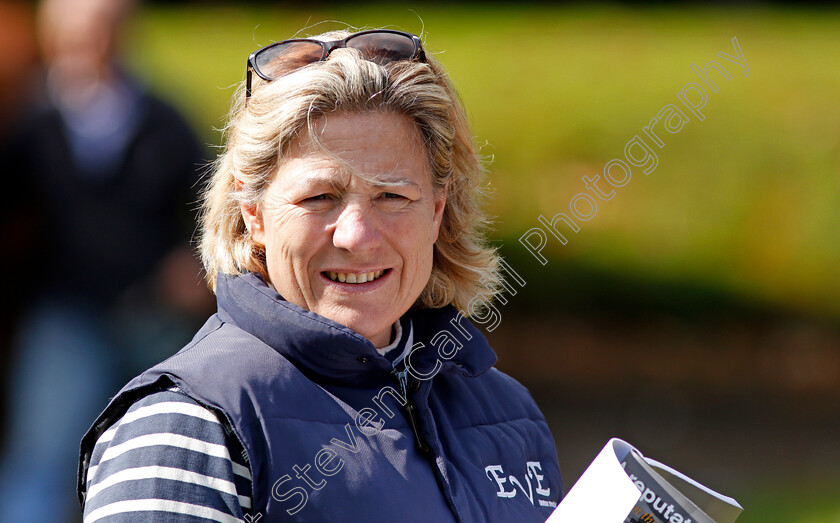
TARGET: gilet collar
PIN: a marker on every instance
(330, 352)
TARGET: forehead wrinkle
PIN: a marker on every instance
(390, 178)
(340, 179)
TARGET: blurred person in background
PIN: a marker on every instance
(18, 58)
(109, 174)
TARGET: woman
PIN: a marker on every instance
(340, 380)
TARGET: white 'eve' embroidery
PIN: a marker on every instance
(510, 485)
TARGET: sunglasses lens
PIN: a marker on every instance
(383, 47)
(278, 60)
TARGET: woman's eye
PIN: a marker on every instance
(318, 202)
(392, 195)
(316, 198)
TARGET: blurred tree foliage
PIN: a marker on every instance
(743, 210)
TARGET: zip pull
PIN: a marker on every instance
(411, 410)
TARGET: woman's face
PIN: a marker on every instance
(357, 251)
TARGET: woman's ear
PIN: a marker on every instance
(251, 217)
(253, 222)
(440, 205)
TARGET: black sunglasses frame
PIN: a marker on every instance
(327, 48)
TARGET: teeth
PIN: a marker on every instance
(350, 277)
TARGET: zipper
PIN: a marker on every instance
(411, 411)
(413, 419)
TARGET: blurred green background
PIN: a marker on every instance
(697, 313)
(745, 202)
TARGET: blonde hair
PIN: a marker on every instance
(259, 133)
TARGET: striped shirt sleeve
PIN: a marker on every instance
(167, 459)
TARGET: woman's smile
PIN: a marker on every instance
(354, 277)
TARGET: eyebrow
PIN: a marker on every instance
(397, 181)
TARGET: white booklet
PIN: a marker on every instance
(622, 486)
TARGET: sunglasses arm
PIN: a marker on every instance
(248, 81)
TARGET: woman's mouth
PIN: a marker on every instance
(354, 277)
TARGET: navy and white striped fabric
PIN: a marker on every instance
(169, 455)
(168, 459)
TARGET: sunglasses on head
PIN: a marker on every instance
(377, 45)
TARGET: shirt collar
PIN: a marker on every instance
(403, 341)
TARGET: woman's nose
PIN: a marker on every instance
(356, 229)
